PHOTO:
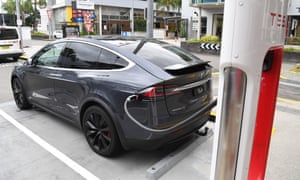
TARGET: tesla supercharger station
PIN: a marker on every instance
(251, 56)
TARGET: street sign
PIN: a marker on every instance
(195, 23)
(88, 27)
(49, 13)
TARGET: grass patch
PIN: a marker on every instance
(36, 34)
(291, 49)
(206, 39)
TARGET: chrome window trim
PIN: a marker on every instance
(130, 63)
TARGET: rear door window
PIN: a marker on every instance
(87, 56)
(80, 55)
(6, 34)
(110, 60)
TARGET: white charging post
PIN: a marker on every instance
(251, 56)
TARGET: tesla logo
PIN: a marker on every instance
(278, 20)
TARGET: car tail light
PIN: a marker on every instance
(157, 92)
(20, 44)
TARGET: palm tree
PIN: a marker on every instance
(9, 6)
(162, 4)
(26, 7)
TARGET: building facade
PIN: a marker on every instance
(211, 13)
(294, 18)
(109, 17)
(205, 17)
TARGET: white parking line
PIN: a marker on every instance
(65, 159)
(290, 84)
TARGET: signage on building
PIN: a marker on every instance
(88, 27)
(85, 4)
(80, 15)
(195, 23)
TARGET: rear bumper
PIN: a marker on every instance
(11, 53)
(139, 138)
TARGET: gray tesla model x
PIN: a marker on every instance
(123, 93)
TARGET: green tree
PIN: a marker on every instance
(162, 4)
(9, 6)
(26, 9)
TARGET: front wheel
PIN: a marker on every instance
(100, 132)
(19, 95)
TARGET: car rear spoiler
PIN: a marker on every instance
(179, 69)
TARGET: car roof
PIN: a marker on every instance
(114, 43)
(8, 27)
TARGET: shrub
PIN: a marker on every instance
(207, 39)
(39, 35)
(291, 49)
(84, 32)
(36, 33)
(140, 25)
(182, 32)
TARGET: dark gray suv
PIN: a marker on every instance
(123, 93)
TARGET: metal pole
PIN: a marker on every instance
(19, 22)
(199, 20)
(150, 19)
(132, 18)
(100, 20)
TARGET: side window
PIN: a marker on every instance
(6, 34)
(49, 55)
(109, 60)
(79, 55)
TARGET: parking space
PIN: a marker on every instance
(24, 157)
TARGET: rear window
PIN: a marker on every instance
(163, 55)
(6, 34)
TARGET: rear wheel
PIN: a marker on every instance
(19, 95)
(100, 132)
(16, 58)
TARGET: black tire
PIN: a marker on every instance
(100, 132)
(19, 95)
(15, 58)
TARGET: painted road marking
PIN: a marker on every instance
(287, 100)
(59, 155)
(215, 74)
(283, 77)
(273, 131)
(290, 84)
(296, 69)
(212, 113)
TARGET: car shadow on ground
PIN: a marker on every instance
(7, 60)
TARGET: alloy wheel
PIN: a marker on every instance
(100, 132)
